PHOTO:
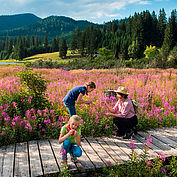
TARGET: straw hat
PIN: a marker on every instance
(122, 90)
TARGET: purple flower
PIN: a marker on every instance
(13, 124)
(14, 104)
(32, 110)
(3, 133)
(132, 145)
(108, 163)
(148, 163)
(39, 112)
(163, 170)
(51, 111)
(162, 156)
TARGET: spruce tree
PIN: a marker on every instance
(63, 48)
(161, 24)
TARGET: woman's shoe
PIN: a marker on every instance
(134, 130)
(128, 135)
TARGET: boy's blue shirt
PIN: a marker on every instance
(73, 94)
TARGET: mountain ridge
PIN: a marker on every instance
(52, 26)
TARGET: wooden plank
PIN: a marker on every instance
(163, 148)
(95, 159)
(151, 154)
(21, 160)
(168, 132)
(56, 150)
(109, 149)
(35, 162)
(123, 146)
(100, 151)
(7, 160)
(48, 161)
(85, 161)
(118, 151)
(163, 137)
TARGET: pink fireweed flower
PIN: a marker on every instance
(148, 141)
(162, 156)
(96, 120)
(28, 114)
(14, 104)
(170, 99)
(32, 110)
(108, 163)
(163, 170)
(3, 133)
(51, 111)
(22, 100)
(97, 115)
(131, 144)
(82, 121)
(106, 127)
(39, 112)
(1, 107)
(13, 123)
(43, 130)
(92, 130)
(7, 119)
(29, 99)
(47, 121)
(33, 117)
(6, 106)
(148, 163)
(45, 110)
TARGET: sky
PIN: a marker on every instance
(96, 11)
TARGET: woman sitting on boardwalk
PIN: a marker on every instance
(124, 113)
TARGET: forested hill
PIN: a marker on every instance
(15, 21)
(52, 26)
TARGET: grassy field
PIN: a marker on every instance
(45, 56)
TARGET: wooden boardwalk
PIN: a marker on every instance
(37, 158)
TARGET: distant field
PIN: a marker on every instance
(45, 56)
(51, 56)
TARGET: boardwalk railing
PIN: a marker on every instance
(38, 158)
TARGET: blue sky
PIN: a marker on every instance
(97, 11)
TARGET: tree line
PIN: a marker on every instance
(129, 37)
(126, 38)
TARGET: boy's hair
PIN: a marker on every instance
(75, 118)
(91, 84)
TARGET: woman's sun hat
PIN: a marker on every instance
(122, 90)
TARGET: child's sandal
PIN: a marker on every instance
(73, 159)
(64, 164)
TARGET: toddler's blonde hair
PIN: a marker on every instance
(75, 118)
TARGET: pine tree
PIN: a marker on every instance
(63, 48)
(173, 21)
(54, 46)
(168, 42)
(19, 50)
(46, 43)
(161, 24)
